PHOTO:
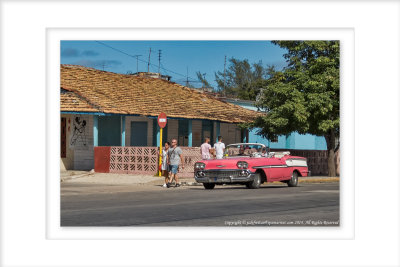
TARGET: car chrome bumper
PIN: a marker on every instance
(223, 176)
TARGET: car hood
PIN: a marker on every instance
(223, 163)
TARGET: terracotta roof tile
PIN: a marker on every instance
(70, 101)
(126, 94)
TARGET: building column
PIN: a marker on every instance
(95, 130)
(123, 130)
(190, 136)
(218, 124)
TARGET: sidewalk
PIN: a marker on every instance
(115, 178)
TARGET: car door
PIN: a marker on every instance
(273, 168)
(277, 166)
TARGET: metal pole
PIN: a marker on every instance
(224, 75)
(159, 170)
(148, 63)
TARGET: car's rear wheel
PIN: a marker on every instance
(208, 186)
(255, 183)
(294, 180)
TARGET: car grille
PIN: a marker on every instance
(222, 174)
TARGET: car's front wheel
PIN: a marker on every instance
(255, 183)
(294, 180)
(208, 186)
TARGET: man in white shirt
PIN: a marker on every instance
(219, 148)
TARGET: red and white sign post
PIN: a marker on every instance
(162, 122)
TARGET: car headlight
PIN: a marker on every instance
(199, 166)
(242, 165)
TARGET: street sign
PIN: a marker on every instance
(162, 120)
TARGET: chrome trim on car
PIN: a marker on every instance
(276, 166)
(223, 176)
(269, 166)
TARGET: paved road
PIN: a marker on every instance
(152, 205)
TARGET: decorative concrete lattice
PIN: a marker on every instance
(144, 160)
(135, 160)
(191, 155)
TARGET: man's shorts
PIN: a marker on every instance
(174, 168)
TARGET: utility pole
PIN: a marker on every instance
(187, 76)
(137, 63)
(159, 61)
(224, 74)
(148, 63)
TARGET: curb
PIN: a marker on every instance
(191, 183)
(75, 177)
(319, 180)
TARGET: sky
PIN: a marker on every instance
(179, 59)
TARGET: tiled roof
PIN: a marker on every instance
(70, 101)
(93, 90)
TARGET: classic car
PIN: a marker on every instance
(250, 164)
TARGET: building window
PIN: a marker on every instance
(138, 133)
(207, 131)
(274, 140)
(109, 130)
(183, 132)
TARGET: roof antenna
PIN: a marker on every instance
(187, 76)
(137, 63)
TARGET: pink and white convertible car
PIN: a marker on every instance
(250, 164)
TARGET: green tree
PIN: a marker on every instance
(241, 79)
(203, 80)
(304, 97)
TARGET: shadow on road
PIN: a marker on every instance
(240, 187)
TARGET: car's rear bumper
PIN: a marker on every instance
(223, 176)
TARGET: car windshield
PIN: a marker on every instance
(245, 150)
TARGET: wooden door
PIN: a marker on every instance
(63, 137)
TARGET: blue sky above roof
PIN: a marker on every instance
(178, 58)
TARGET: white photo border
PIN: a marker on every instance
(24, 236)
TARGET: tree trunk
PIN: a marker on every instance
(330, 143)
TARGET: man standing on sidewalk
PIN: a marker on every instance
(205, 149)
(219, 148)
(174, 158)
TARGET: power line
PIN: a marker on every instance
(120, 51)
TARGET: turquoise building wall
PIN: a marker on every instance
(293, 141)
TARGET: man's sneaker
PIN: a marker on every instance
(164, 185)
(168, 185)
(177, 185)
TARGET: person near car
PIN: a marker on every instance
(219, 148)
(164, 164)
(205, 149)
(174, 158)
